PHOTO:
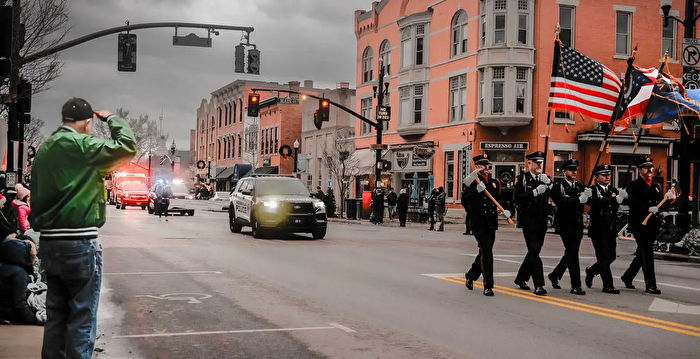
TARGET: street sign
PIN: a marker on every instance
(691, 52)
(378, 146)
(691, 78)
(11, 180)
(191, 40)
(383, 113)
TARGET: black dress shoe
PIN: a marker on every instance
(540, 291)
(554, 280)
(589, 278)
(521, 284)
(628, 284)
(611, 290)
(470, 284)
(488, 292)
(653, 290)
(578, 291)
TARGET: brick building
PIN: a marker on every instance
(468, 77)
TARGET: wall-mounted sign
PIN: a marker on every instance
(505, 146)
(408, 161)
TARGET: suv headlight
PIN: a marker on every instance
(319, 206)
(271, 205)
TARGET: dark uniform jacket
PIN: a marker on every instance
(482, 211)
(532, 211)
(603, 211)
(641, 197)
(569, 214)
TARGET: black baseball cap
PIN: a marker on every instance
(76, 109)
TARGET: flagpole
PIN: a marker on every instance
(549, 111)
(644, 120)
(613, 117)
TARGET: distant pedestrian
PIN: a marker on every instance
(319, 193)
(391, 203)
(68, 208)
(378, 206)
(440, 208)
(431, 209)
(402, 204)
(21, 205)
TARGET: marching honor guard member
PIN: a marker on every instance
(570, 197)
(604, 202)
(644, 197)
(483, 215)
(532, 198)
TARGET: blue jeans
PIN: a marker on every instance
(74, 275)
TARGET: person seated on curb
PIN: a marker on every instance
(16, 257)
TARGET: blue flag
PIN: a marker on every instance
(666, 105)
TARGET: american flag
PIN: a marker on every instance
(581, 84)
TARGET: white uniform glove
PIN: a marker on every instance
(622, 194)
(539, 190)
(480, 187)
(669, 195)
(583, 198)
(544, 178)
(653, 209)
(506, 213)
(619, 199)
(588, 192)
(472, 176)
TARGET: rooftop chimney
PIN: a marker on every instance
(308, 84)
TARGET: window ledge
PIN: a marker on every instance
(621, 57)
(564, 121)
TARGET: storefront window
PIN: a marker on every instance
(449, 173)
(559, 158)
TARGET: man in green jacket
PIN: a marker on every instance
(68, 206)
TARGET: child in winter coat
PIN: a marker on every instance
(21, 205)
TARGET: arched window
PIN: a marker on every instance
(218, 151)
(226, 115)
(385, 56)
(459, 33)
(239, 145)
(219, 115)
(233, 146)
(234, 111)
(367, 56)
(240, 109)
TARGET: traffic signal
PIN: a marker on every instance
(253, 105)
(317, 120)
(5, 31)
(254, 61)
(386, 165)
(239, 59)
(24, 96)
(324, 109)
(126, 53)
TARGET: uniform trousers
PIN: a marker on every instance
(483, 263)
(644, 257)
(604, 246)
(532, 263)
(572, 242)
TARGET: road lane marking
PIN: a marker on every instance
(663, 305)
(497, 274)
(191, 298)
(592, 309)
(522, 256)
(241, 331)
(149, 273)
(552, 267)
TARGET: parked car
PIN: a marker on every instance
(268, 203)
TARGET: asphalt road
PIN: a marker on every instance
(189, 288)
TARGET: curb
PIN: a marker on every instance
(676, 257)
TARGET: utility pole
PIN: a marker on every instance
(379, 127)
(12, 118)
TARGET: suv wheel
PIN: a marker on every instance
(255, 228)
(232, 225)
(318, 233)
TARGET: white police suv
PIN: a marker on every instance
(267, 203)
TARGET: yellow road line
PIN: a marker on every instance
(624, 316)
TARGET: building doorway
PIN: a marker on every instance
(507, 172)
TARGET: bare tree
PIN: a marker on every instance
(251, 150)
(46, 25)
(145, 130)
(341, 165)
(32, 132)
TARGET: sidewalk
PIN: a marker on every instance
(20, 341)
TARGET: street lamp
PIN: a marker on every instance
(296, 153)
(172, 160)
(685, 148)
(208, 168)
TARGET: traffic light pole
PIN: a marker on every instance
(379, 127)
(12, 115)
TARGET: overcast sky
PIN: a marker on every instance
(298, 39)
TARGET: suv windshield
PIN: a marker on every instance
(280, 187)
(135, 186)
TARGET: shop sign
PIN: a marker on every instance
(408, 161)
(466, 157)
(505, 146)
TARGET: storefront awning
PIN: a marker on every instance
(226, 173)
(266, 170)
(362, 161)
